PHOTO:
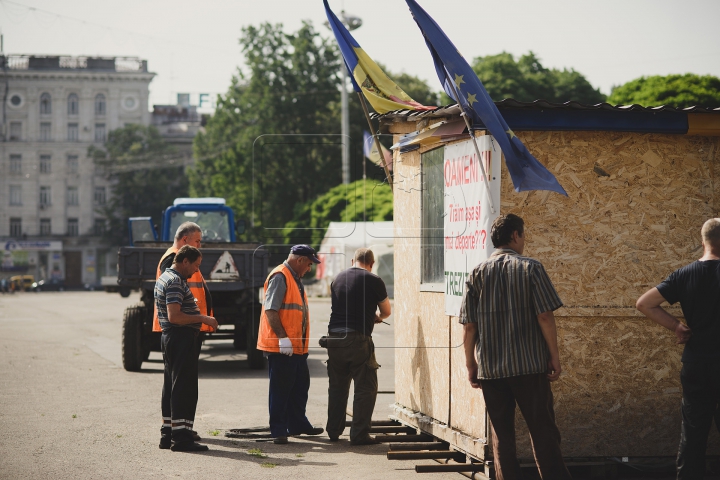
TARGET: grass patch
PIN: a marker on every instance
(299, 455)
(74, 416)
(118, 436)
(268, 465)
(256, 452)
(214, 433)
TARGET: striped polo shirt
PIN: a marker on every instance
(172, 288)
(504, 296)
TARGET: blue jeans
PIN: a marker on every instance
(289, 386)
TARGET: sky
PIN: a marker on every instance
(193, 46)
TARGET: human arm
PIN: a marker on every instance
(177, 317)
(549, 332)
(649, 305)
(470, 337)
(275, 323)
(385, 310)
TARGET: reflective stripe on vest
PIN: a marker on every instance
(291, 312)
(196, 284)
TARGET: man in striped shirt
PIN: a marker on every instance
(180, 320)
(511, 350)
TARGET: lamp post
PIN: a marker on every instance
(352, 23)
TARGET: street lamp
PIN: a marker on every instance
(352, 23)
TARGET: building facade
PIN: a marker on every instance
(54, 109)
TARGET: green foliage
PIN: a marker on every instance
(290, 88)
(675, 90)
(364, 200)
(527, 80)
(146, 176)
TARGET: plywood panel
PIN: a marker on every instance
(467, 407)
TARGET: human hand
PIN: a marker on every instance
(378, 319)
(554, 369)
(472, 376)
(683, 333)
(211, 322)
(285, 346)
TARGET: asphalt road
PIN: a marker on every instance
(69, 410)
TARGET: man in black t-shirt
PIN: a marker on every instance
(356, 295)
(697, 288)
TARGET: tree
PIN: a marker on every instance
(363, 200)
(527, 80)
(146, 173)
(675, 90)
(289, 88)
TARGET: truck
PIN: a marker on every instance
(234, 273)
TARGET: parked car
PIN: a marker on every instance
(50, 285)
(22, 282)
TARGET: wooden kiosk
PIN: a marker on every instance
(641, 182)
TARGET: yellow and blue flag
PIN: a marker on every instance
(383, 94)
(371, 153)
(526, 171)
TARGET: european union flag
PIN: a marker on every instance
(526, 171)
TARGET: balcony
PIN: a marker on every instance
(103, 64)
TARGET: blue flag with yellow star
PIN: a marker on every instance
(526, 171)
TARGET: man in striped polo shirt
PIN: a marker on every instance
(180, 321)
(511, 350)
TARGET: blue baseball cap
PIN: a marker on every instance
(305, 251)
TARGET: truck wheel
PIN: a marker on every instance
(256, 359)
(124, 292)
(133, 345)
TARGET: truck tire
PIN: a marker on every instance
(256, 359)
(124, 292)
(133, 341)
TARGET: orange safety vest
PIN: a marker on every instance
(197, 288)
(291, 317)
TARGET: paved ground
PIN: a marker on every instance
(69, 410)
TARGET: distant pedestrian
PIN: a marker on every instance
(697, 287)
(180, 320)
(283, 336)
(507, 312)
(357, 294)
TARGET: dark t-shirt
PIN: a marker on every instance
(697, 288)
(355, 297)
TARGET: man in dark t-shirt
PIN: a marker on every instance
(697, 288)
(356, 296)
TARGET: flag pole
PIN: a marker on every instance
(377, 141)
(474, 140)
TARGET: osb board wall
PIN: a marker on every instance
(467, 407)
(422, 361)
(636, 203)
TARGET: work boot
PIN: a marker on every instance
(189, 447)
(195, 435)
(367, 440)
(280, 440)
(165, 442)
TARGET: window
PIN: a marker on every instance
(73, 132)
(16, 227)
(16, 101)
(100, 132)
(15, 195)
(16, 164)
(45, 104)
(433, 205)
(45, 165)
(72, 164)
(15, 131)
(100, 105)
(45, 226)
(99, 227)
(100, 196)
(72, 229)
(73, 104)
(45, 196)
(45, 131)
(72, 196)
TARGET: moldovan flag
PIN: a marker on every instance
(371, 153)
(382, 93)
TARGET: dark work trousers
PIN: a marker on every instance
(534, 397)
(351, 356)
(700, 404)
(289, 386)
(180, 349)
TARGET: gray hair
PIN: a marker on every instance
(364, 256)
(187, 228)
(711, 232)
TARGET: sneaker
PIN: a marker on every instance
(189, 447)
(165, 442)
(280, 440)
(368, 440)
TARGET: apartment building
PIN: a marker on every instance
(54, 108)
